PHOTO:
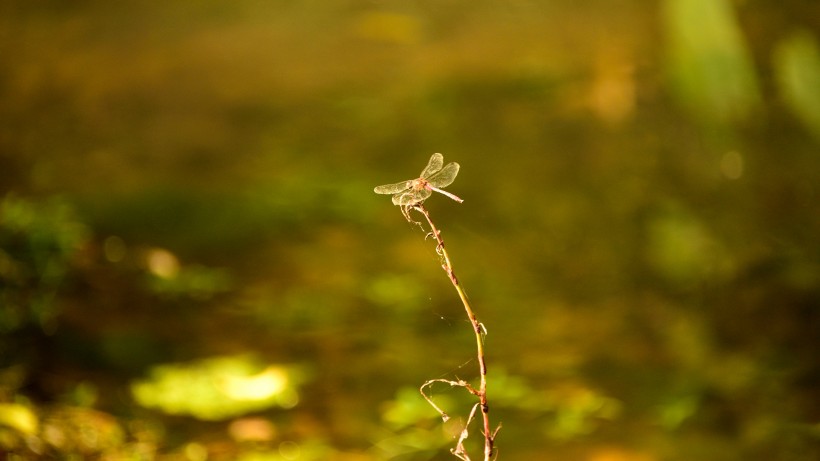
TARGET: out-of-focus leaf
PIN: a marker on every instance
(19, 417)
(218, 388)
(681, 249)
(578, 410)
(82, 431)
(797, 63)
(409, 408)
(37, 243)
(709, 63)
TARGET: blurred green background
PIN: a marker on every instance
(193, 265)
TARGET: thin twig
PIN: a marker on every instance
(479, 330)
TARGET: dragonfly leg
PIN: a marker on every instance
(405, 211)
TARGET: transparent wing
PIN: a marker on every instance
(393, 188)
(436, 160)
(411, 197)
(445, 176)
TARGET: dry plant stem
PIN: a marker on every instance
(478, 329)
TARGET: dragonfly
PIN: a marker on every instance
(412, 192)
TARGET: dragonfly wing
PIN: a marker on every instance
(445, 176)
(393, 188)
(411, 197)
(436, 160)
